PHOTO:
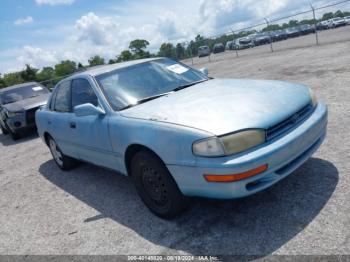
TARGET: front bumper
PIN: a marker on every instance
(283, 156)
(22, 122)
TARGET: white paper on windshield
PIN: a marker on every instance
(177, 69)
(37, 88)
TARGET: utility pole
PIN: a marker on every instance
(234, 42)
(316, 33)
(267, 23)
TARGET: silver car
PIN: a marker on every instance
(203, 51)
(18, 105)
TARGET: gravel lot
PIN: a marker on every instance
(94, 211)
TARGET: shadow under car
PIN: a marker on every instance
(253, 226)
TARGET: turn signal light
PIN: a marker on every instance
(236, 177)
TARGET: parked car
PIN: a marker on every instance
(18, 104)
(293, 32)
(178, 133)
(323, 25)
(230, 45)
(347, 20)
(261, 39)
(244, 42)
(203, 51)
(337, 22)
(218, 48)
(279, 35)
(307, 29)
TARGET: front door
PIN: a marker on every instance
(91, 132)
(59, 119)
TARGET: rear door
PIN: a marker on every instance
(91, 133)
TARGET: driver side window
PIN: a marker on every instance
(62, 98)
(83, 93)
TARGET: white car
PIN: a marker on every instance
(336, 22)
(347, 20)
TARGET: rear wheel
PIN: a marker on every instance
(155, 186)
(63, 162)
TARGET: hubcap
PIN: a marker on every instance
(56, 153)
(154, 186)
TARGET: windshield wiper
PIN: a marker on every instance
(146, 99)
(189, 84)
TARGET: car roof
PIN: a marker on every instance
(101, 69)
(17, 86)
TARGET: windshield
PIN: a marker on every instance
(127, 86)
(21, 93)
(337, 19)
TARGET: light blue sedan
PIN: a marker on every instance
(178, 133)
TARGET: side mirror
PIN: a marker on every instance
(204, 71)
(88, 110)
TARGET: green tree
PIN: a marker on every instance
(167, 50)
(138, 47)
(327, 16)
(125, 55)
(45, 76)
(65, 68)
(338, 14)
(80, 66)
(271, 27)
(180, 51)
(2, 83)
(293, 23)
(96, 60)
(29, 74)
(11, 79)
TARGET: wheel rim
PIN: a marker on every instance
(154, 186)
(56, 153)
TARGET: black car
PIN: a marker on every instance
(218, 48)
(261, 39)
(18, 105)
(307, 29)
(278, 35)
(293, 32)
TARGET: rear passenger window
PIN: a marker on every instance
(62, 101)
(83, 93)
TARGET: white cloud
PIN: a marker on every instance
(36, 57)
(54, 2)
(155, 20)
(24, 21)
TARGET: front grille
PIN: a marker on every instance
(288, 123)
(30, 115)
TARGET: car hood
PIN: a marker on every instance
(28, 103)
(222, 106)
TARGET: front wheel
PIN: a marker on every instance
(155, 186)
(63, 162)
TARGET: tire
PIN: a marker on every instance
(64, 162)
(156, 187)
(15, 136)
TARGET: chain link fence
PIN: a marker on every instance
(302, 29)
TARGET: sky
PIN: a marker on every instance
(44, 32)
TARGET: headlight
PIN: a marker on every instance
(208, 147)
(229, 144)
(13, 114)
(313, 98)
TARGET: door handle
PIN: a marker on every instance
(72, 125)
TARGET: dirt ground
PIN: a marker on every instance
(94, 211)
